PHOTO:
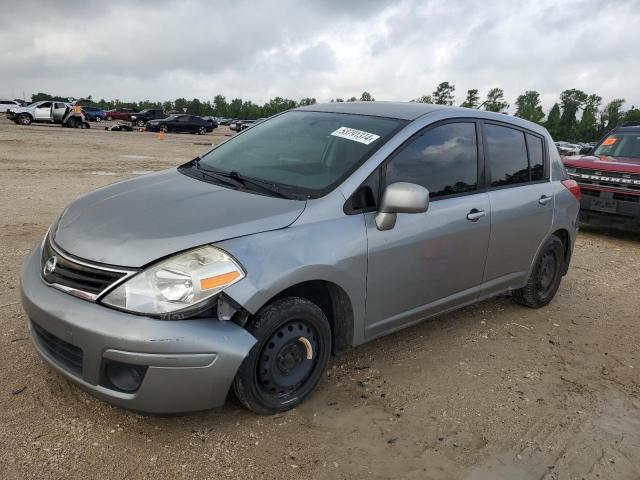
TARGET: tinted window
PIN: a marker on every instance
(444, 160)
(508, 162)
(536, 157)
(45, 105)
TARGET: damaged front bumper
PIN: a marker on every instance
(185, 365)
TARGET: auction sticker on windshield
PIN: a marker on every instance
(356, 135)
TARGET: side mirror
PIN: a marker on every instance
(401, 197)
(585, 150)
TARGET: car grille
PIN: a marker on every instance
(627, 182)
(69, 356)
(77, 277)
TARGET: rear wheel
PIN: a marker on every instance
(109, 117)
(202, 131)
(72, 122)
(545, 276)
(25, 119)
(287, 363)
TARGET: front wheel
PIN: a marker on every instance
(288, 361)
(545, 277)
(25, 119)
(163, 128)
(98, 119)
(202, 131)
(140, 123)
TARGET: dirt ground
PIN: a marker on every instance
(493, 391)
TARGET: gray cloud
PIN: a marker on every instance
(256, 50)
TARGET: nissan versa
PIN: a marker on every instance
(314, 231)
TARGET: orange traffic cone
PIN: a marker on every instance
(161, 135)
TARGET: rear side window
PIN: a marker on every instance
(507, 153)
(536, 157)
(444, 160)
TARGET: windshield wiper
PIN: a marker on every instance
(238, 180)
(216, 176)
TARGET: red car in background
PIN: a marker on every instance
(119, 114)
(609, 178)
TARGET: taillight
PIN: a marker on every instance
(573, 187)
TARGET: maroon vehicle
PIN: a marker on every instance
(119, 114)
(609, 178)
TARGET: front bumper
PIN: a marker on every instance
(627, 210)
(190, 363)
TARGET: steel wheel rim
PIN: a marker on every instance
(284, 365)
(547, 271)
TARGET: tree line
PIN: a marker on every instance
(576, 116)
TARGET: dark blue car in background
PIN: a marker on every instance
(94, 114)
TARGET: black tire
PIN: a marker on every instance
(98, 119)
(202, 130)
(163, 128)
(545, 276)
(140, 123)
(24, 119)
(109, 117)
(289, 359)
(72, 123)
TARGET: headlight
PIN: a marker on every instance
(177, 283)
(133, 117)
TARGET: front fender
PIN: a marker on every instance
(332, 250)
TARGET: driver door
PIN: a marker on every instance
(429, 262)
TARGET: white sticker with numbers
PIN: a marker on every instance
(356, 135)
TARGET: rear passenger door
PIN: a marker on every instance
(521, 197)
(429, 262)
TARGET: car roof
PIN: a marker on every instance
(401, 110)
(628, 128)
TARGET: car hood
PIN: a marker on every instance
(603, 162)
(135, 222)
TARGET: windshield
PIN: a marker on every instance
(625, 144)
(309, 151)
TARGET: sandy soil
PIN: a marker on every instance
(493, 391)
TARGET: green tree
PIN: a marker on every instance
(366, 97)
(553, 120)
(181, 104)
(495, 101)
(235, 108)
(443, 94)
(220, 106)
(632, 115)
(424, 99)
(528, 106)
(587, 129)
(307, 101)
(570, 102)
(195, 107)
(612, 115)
(472, 100)
(352, 99)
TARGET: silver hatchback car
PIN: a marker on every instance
(316, 230)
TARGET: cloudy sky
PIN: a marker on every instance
(256, 50)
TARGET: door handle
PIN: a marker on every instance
(544, 199)
(474, 215)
